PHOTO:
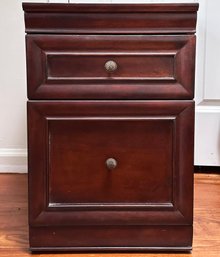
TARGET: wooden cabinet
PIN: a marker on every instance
(110, 126)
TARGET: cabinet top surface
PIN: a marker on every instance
(71, 7)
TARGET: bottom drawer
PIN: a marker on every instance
(102, 168)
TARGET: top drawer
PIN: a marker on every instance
(110, 51)
(110, 66)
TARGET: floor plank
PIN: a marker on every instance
(14, 229)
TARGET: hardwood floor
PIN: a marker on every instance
(14, 231)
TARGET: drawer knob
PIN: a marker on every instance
(111, 163)
(111, 66)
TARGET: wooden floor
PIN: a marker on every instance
(14, 231)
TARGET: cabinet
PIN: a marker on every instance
(110, 126)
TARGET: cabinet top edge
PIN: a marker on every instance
(102, 8)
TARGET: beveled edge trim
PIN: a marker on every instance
(103, 8)
(116, 249)
(55, 205)
(71, 31)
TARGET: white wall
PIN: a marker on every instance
(12, 88)
(13, 141)
(13, 157)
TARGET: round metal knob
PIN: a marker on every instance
(111, 66)
(111, 163)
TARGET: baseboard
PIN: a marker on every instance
(13, 160)
(207, 169)
(207, 131)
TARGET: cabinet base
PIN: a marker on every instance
(112, 238)
(111, 249)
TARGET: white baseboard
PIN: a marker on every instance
(207, 135)
(13, 160)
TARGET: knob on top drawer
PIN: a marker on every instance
(110, 67)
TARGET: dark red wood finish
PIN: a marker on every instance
(80, 115)
(69, 143)
(110, 18)
(72, 67)
(111, 238)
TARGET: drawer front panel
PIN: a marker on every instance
(85, 66)
(77, 67)
(81, 176)
(151, 143)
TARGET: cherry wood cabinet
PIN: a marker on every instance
(110, 126)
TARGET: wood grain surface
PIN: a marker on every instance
(74, 202)
(72, 66)
(14, 229)
(119, 18)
